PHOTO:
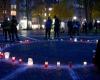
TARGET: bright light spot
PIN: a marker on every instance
(61, 39)
(1, 55)
(53, 21)
(20, 60)
(50, 9)
(88, 40)
(74, 18)
(30, 61)
(8, 19)
(44, 20)
(21, 41)
(13, 59)
(58, 63)
(98, 21)
(7, 55)
(35, 26)
(84, 63)
(43, 26)
(62, 25)
(96, 41)
(45, 14)
(75, 39)
(46, 64)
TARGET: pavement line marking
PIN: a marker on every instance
(15, 73)
(73, 74)
(30, 38)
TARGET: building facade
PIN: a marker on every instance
(5, 9)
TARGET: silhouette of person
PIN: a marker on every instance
(14, 32)
(6, 29)
(48, 26)
(56, 27)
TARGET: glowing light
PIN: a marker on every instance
(7, 54)
(45, 14)
(61, 39)
(75, 39)
(96, 41)
(74, 18)
(44, 20)
(98, 21)
(88, 40)
(21, 41)
(35, 26)
(58, 63)
(20, 60)
(30, 61)
(84, 63)
(1, 55)
(50, 9)
(13, 12)
(46, 64)
(13, 59)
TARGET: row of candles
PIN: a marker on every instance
(6, 56)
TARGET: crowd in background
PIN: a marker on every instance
(74, 27)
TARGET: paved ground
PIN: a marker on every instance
(63, 49)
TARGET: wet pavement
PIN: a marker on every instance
(63, 49)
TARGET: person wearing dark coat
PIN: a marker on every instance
(70, 28)
(6, 29)
(48, 26)
(56, 27)
(14, 32)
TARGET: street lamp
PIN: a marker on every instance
(74, 18)
(50, 9)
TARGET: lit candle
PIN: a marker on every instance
(84, 63)
(20, 61)
(46, 64)
(7, 54)
(30, 61)
(58, 63)
(13, 59)
(75, 39)
(1, 55)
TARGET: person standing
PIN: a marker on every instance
(14, 33)
(48, 26)
(96, 27)
(70, 28)
(56, 27)
(6, 29)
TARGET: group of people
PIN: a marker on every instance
(75, 26)
(48, 27)
(89, 26)
(9, 28)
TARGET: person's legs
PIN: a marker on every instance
(16, 35)
(46, 32)
(5, 35)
